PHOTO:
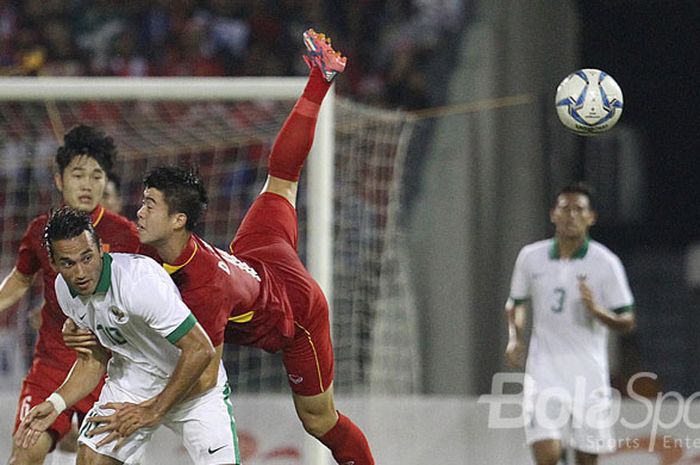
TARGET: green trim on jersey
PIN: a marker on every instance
(520, 301)
(105, 277)
(580, 253)
(621, 310)
(181, 330)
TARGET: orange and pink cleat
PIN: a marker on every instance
(321, 54)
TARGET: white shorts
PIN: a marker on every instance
(586, 427)
(205, 424)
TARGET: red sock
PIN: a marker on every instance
(294, 140)
(347, 443)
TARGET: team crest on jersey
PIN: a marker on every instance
(119, 314)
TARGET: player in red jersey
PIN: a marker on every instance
(263, 289)
(83, 163)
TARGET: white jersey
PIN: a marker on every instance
(137, 313)
(567, 343)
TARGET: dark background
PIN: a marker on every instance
(652, 49)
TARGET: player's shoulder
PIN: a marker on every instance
(38, 223)
(33, 237)
(205, 247)
(602, 253)
(598, 250)
(207, 255)
(137, 274)
(134, 268)
(537, 248)
(133, 261)
(140, 283)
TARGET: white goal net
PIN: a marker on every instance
(373, 311)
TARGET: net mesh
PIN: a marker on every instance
(374, 322)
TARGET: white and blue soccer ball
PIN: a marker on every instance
(589, 101)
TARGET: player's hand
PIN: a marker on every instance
(79, 339)
(515, 354)
(587, 296)
(126, 419)
(34, 424)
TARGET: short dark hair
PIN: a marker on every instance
(90, 141)
(183, 191)
(67, 223)
(577, 187)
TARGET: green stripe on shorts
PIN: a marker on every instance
(229, 407)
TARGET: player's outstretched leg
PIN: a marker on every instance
(317, 413)
(293, 143)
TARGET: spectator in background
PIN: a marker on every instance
(125, 57)
(8, 29)
(62, 58)
(229, 38)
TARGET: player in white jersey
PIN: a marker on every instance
(578, 291)
(157, 352)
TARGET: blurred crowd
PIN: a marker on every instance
(390, 43)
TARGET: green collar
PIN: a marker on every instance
(105, 277)
(580, 253)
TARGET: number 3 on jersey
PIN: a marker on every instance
(558, 300)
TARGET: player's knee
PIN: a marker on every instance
(87, 456)
(31, 456)
(548, 459)
(547, 453)
(283, 188)
(317, 423)
(583, 458)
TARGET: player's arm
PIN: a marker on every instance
(515, 350)
(87, 371)
(622, 320)
(516, 310)
(13, 288)
(210, 376)
(196, 353)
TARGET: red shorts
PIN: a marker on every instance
(309, 359)
(268, 236)
(39, 383)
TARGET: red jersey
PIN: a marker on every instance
(213, 284)
(117, 233)
(262, 291)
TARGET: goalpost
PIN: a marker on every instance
(349, 205)
(319, 165)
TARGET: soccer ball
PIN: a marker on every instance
(589, 101)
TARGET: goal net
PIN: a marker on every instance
(348, 210)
